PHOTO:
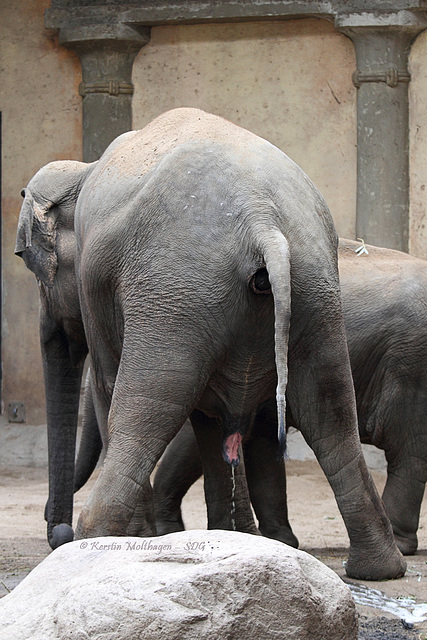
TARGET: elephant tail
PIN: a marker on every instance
(276, 254)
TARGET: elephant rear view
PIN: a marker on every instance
(207, 263)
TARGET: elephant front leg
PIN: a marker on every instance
(63, 367)
(226, 491)
(403, 495)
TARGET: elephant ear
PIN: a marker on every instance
(36, 238)
(47, 211)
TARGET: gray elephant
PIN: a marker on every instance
(195, 242)
(46, 242)
(384, 296)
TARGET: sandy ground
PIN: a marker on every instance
(313, 514)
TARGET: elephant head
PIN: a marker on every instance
(35, 223)
(46, 242)
(49, 203)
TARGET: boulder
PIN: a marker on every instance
(216, 585)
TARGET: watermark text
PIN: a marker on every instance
(127, 545)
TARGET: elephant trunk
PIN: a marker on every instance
(275, 250)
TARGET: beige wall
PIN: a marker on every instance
(289, 82)
(41, 114)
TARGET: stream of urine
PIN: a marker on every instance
(233, 503)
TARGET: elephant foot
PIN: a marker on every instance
(282, 534)
(407, 544)
(169, 526)
(60, 534)
(97, 522)
(364, 565)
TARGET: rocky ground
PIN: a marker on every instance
(391, 610)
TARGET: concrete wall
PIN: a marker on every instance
(41, 114)
(288, 81)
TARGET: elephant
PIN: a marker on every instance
(206, 266)
(384, 296)
(46, 242)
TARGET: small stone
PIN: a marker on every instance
(407, 625)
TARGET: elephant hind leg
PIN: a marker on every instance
(122, 502)
(90, 447)
(402, 497)
(179, 468)
(321, 398)
(226, 490)
(141, 422)
(266, 476)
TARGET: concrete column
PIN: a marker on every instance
(107, 57)
(382, 44)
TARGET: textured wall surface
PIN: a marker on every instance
(289, 82)
(41, 117)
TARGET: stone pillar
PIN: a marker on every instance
(107, 57)
(382, 44)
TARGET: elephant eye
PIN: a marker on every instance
(260, 283)
(23, 193)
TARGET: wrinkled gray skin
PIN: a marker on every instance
(46, 242)
(385, 300)
(176, 227)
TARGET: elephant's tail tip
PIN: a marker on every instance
(281, 431)
(60, 534)
(283, 445)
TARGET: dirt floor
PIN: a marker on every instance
(393, 610)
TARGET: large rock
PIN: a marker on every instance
(216, 585)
